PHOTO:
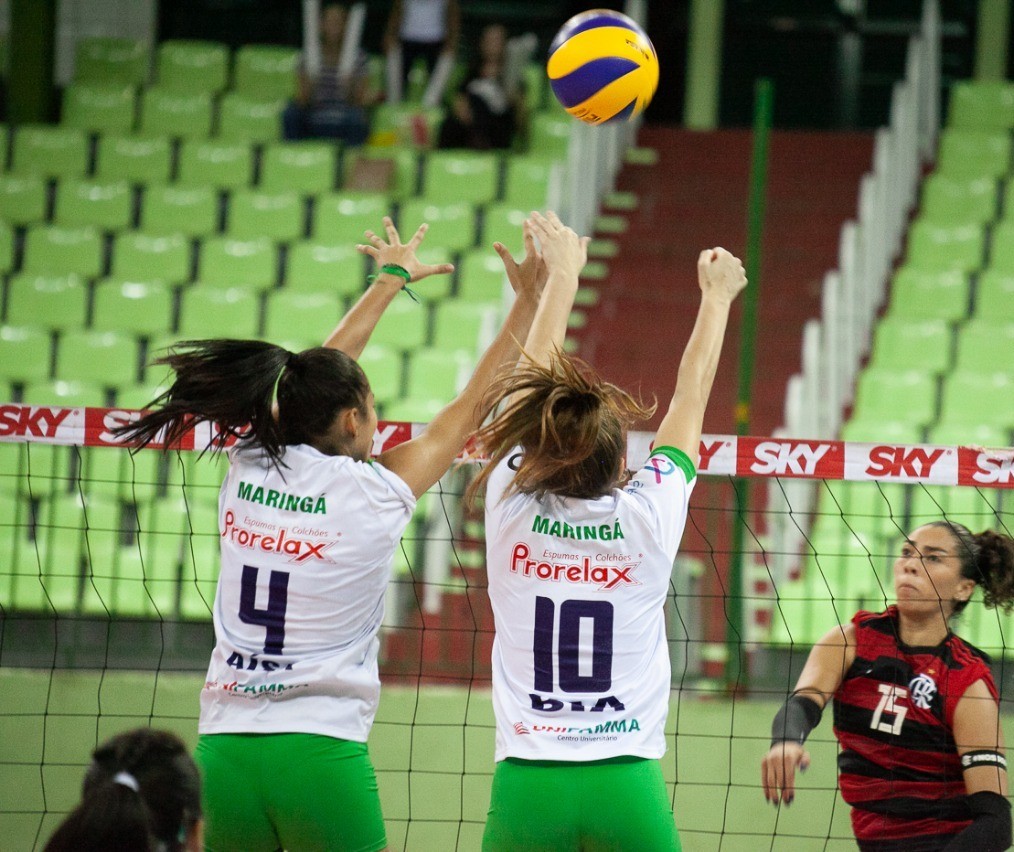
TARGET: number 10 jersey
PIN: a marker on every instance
(578, 588)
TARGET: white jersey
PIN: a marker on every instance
(578, 587)
(306, 559)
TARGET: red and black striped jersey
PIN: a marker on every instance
(893, 716)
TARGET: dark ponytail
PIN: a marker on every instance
(232, 383)
(142, 792)
(988, 559)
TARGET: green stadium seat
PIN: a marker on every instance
(344, 217)
(402, 326)
(50, 301)
(968, 506)
(504, 222)
(325, 267)
(215, 162)
(973, 153)
(412, 410)
(228, 262)
(137, 159)
(526, 182)
(99, 109)
(306, 167)
(383, 367)
(906, 344)
(278, 216)
(248, 119)
(874, 429)
(971, 396)
(205, 474)
(452, 226)
(550, 134)
(974, 434)
(199, 572)
(437, 373)
(140, 395)
(920, 294)
(24, 353)
(931, 246)
(144, 308)
(1001, 247)
(481, 276)
(461, 177)
(907, 396)
(536, 86)
(994, 296)
(54, 152)
(106, 205)
(981, 105)
(950, 201)
(405, 180)
(462, 325)
(107, 358)
(63, 392)
(986, 346)
(22, 199)
(177, 114)
(194, 67)
(141, 256)
(219, 312)
(407, 124)
(436, 287)
(174, 209)
(306, 318)
(55, 250)
(265, 71)
(111, 61)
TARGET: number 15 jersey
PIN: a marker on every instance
(578, 587)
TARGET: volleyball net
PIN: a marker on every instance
(108, 564)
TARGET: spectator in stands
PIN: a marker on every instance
(920, 747)
(485, 110)
(293, 684)
(421, 29)
(330, 98)
(142, 792)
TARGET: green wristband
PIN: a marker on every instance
(400, 271)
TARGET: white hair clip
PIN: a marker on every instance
(127, 780)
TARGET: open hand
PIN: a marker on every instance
(529, 276)
(562, 249)
(778, 770)
(720, 273)
(393, 251)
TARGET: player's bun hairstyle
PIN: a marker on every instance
(570, 425)
(234, 383)
(113, 817)
(988, 559)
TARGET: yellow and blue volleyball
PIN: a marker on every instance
(602, 67)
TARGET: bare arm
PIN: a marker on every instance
(353, 332)
(721, 278)
(393, 25)
(304, 88)
(977, 728)
(453, 27)
(823, 673)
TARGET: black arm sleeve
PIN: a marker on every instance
(793, 722)
(990, 830)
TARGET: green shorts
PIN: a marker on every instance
(298, 792)
(556, 806)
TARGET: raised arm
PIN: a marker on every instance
(353, 332)
(823, 673)
(721, 278)
(422, 461)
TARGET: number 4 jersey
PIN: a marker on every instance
(306, 558)
(578, 587)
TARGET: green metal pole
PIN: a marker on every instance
(736, 673)
(704, 64)
(991, 43)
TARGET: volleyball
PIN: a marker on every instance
(602, 67)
